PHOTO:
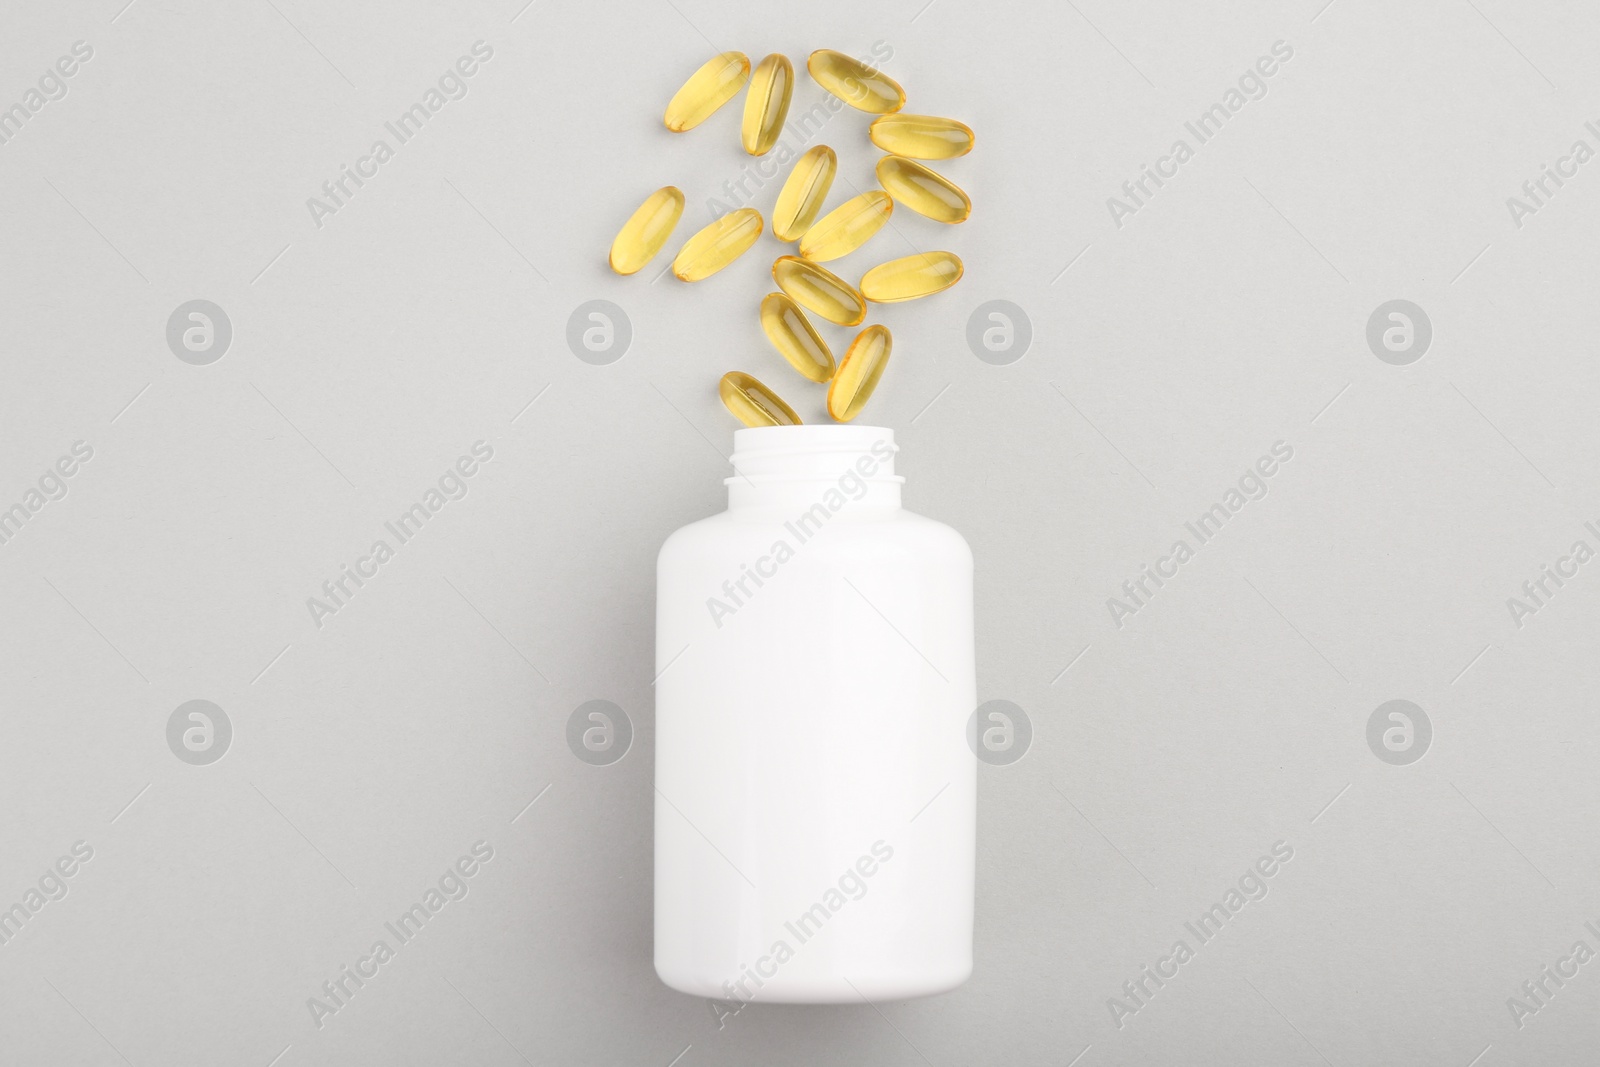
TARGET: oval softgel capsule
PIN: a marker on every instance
(923, 190)
(921, 136)
(646, 230)
(717, 245)
(803, 192)
(792, 334)
(717, 81)
(911, 277)
(859, 372)
(818, 289)
(847, 227)
(766, 104)
(862, 87)
(753, 403)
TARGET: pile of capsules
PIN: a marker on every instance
(803, 281)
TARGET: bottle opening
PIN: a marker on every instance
(797, 466)
(813, 453)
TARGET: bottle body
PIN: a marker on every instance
(815, 795)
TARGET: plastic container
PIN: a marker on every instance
(815, 792)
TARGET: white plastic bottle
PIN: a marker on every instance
(815, 792)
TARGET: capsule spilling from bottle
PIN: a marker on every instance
(806, 288)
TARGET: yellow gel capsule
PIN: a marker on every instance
(820, 290)
(803, 193)
(707, 89)
(922, 190)
(910, 277)
(847, 227)
(717, 245)
(792, 334)
(921, 136)
(859, 372)
(753, 403)
(862, 87)
(646, 230)
(766, 104)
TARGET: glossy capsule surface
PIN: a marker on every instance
(766, 104)
(818, 289)
(753, 403)
(646, 230)
(859, 372)
(911, 276)
(923, 190)
(847, 227)
(862, 87)
(792, 334)
(921, 136)
(717, 245)
(717, 81)
(803, 192)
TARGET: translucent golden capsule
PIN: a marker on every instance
(921, 136)
(753, 403)
(803, 193)
(707, 89)
(646, 230)
(847, 227)
(859, 372)
(792, 334)
(922, 190)
(717, 245)
(820, 290)
(766, 104)
(910, 277)
(862, 87)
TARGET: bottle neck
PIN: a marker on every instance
(847, 470)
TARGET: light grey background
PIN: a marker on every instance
(1230, 712)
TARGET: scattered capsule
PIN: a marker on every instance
(717, 245)
(859, 372)
(803, 193)
(921, 136)
(862, 87)
(820, 290)
(753, 403)
(707, 89)
(910, 277)
(766, 104)
(792, 334)
(847, 227)
(922, 190)
(646, 230)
